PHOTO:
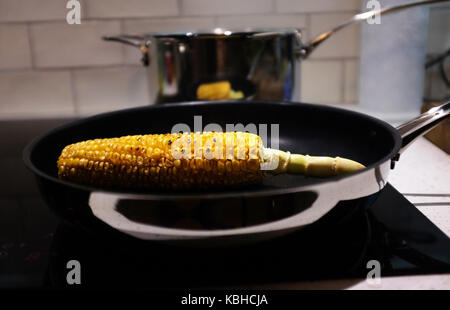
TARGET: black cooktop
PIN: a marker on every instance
(35, 248)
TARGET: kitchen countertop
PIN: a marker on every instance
(427, 186)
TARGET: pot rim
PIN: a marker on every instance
(223, 32)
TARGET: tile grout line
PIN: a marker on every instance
(274, 6)
(180, 7)
(57, 69)
(122, 46)
(357, 81)
(73, 91)
(85, 10)
(344, 80)
(308, 26)
(31, 47)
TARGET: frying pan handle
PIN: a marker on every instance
(137, 41)
(419, 126)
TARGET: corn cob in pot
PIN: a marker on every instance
(186, 161)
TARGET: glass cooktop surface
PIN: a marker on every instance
(35, 248)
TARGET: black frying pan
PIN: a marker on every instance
(281, 204)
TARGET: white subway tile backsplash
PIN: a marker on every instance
(262, 21)
(32, 10)
(106, 89)
(438, 90)
(220, 7)
(14, 47)
(440, 5)
(439, 31)
(321, 81)
(344, 43)
(35, 94)
(303, 6)
(141, 26)
(131, 8)
(36, 42)
(351, 75)
(63, 45)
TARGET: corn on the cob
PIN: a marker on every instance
(184, 161)
(178, 161)
(214, 91)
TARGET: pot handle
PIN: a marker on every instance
(419, 126)
(306, 49)
(137, 41)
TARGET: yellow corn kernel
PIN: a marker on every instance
(148, 161)
(214, 91)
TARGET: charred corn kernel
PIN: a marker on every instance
(164, 161)
(214, 91)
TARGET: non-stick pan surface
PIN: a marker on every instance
(303, 128)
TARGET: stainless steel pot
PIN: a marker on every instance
(263, 64)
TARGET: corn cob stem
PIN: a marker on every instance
(316, 166)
